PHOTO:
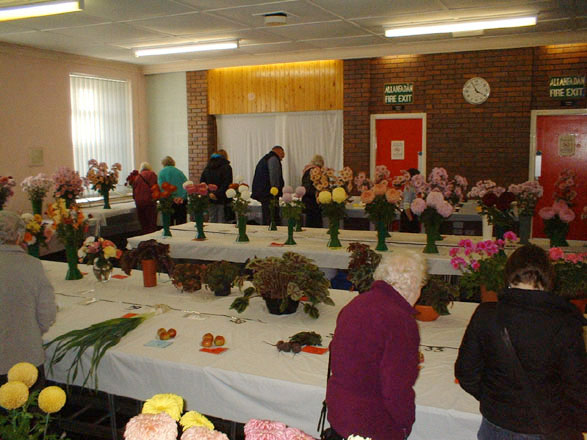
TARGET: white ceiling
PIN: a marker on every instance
(315, 29)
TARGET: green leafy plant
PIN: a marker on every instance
(438, 294)
(188, 276)
(290, 277)
(147, 250)
(220, 275)
(362, 265)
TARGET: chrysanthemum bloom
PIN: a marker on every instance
(367, 196)
(23, 372)
(393, 195)
(418, 206)
(274, 191)
(151, 427)
(52, 399)
(171, 404)
(339, 195)
(264, 429)
(324, 197)
(296, 434)
(194, 418)
(13, 395)
(201, 433)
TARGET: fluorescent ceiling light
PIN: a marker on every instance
(40, 9)
(184, 48)
(461, 27)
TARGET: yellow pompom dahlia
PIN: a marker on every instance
(274, 191)
(339, 195)
(52, 399)
(23, 372)
(194, 418)
(13, 395)
(171, 404)
(324, 197)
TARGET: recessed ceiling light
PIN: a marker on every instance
(185, 48)
(41, 9)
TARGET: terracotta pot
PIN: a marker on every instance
(488, 295)
(426, 313)
(149, 273)
(581, 303)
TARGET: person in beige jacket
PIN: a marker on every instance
(27, 300)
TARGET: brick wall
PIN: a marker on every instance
(201, 126)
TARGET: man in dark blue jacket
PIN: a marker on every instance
(268, 173)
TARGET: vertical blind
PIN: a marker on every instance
(101, 123)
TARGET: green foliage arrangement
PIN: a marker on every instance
(220, 275)
(362, 265)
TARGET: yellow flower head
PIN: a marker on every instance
(109, 252)
(52, 399)
(23, 372)
(324, 197)
(339, 195)
(274, 191)
(171, 404)
(194, 418)
(13, 395)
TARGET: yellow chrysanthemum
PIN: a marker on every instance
(339, 195)
(324, 197)
(194, 418)
(274, 191)
(52, 399)
(109, 252)
(171, 404)
(13, 395)
(23, 372)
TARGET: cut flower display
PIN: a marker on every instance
(556, 222)
(198, 195)
(240, 196)
(37, 232)
(527, 195)
(68, 184)
(37, 186)
(6, 185)
(102, 178)
(97, 249)
(164, 197)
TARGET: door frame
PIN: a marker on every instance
(533, 122)
(373, 138)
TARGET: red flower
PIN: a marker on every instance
(489, 199)
(505, 200)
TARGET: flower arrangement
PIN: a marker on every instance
(499, 209)
(291, 202)
(68, 184)
(482, 263)
(291, 277)
(571, 273)
(69, 223)
(97, 249)
(6, 185)
(527, 195)
(240, 197)
(256, 429)
(220, 276)
(147, 250)
(100, 177)
(37, 231)
(130, 179)
(326, 179)
(19, 423)
(188, 276)
(160, 417)
(556, 222)
(37, 186)
(333, 206)
(483, 187)
(381, 202)
(432, 211)
(453, 190)
(362, 265)
(198, 195)
(163, 196)
(564, 187)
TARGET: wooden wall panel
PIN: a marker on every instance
(291, 87)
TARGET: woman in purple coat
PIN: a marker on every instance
(374, 354)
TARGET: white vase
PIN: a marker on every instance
(487, 230)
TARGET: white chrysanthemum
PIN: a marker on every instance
(239, 179)
(27, 217)
(243, 188)
(246, 195)
(230, 193)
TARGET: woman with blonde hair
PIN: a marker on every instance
(312, 209)
(141, 193)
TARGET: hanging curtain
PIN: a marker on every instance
(248, 137)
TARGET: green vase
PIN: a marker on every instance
(432, 233)
(73, 273)
(334, 242)
(525, 228)
(68, 202)
(242, 229)
(381, 236)
(558, 236)
(33, 250)
(37, 206)
(106, 195)
(166, 219)
(199, 219)
(272, 225)
(299, 224)
(291, 224)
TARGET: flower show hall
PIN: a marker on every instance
(251, 379)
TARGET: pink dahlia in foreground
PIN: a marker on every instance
(264, 430)
(296, 434)
(202, 433)
(151, 427)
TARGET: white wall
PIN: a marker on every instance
(167, 119)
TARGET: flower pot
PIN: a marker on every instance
(273, 305)
(242, 229)
(199, 220)
(381, 236)
(102, 270)
(37, 206)
(149, 273)
(222, 291)
(291, 223)
(426, 313)
(106, 195)
(581, 303)
(488, 295)
(525, 228)
(487, 228)
(166, 219)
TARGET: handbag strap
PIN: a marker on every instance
(322, 419)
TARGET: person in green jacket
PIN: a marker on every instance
(175, 177)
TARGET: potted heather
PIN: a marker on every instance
(220, 276)
(153, 257)
(284, 282)
(362, 265)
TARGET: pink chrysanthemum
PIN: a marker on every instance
(567, 215)
(151, 427)
(296, 434)
(418, 206)
(264, 430)
(202, 433)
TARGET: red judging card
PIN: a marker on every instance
(120, 277)
(314, 350)
(276, 244)
(129, 315)
(216, 350)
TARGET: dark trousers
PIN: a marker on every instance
(147, 215)
(265, 211)
(180, 213)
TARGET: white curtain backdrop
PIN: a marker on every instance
(248, 137)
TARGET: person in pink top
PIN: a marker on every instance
(375, 356)
(141, 192)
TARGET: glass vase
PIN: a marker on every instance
(291, 224)
(242, 229)
(381, 236)
(334, 242)
(73, 273)
(432, 232)
(199, 220)
(166, 219)
(106, 195)
(33, 250)
(37, 206)
(102, 269)
(525, 228)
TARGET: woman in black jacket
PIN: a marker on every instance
(219, 172)
(311, 207)
(524, 357)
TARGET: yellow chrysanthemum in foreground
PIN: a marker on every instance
(23, 372)
(13, 395)
(171, 404)
(339, 195)
(324, 197)
(274, 191)
(194, 418)
(52, 399)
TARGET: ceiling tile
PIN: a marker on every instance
(194, 24)
(317, 30)
(330, 43)
(49, 40)
(121, 10)
(377, 8)
(61, 21)
(289, 46)
(109, 33)
(231, 4)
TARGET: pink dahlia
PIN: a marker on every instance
(547, 213)
(567, 215)
(151, 427)
(202, 433)
(418, 206)
(559, 205)
(300, 191)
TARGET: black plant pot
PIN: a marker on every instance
(273, 305)
(223, 291)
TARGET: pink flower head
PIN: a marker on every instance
(481, 246)
(444, 209)
(547, 213)
(202, 433)
(367, 196)
(151, 427)
(393, 195)
(300, 192)
(434, 199)
(264, 430)
(380, 188)
(467, 243)
(296, 434)
(287, 197)
(556, 253)
(573, 258)
(510, 236)
(418, 180)
(559, 205)
(418, 206)
(567, 215)
(212, 187)
(191, 189)
(287, 190)
(458, 262)
(454, 252)
(475, 265)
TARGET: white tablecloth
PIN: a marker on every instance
(251, 379)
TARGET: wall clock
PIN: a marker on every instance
(476, 90)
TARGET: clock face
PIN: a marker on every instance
(476, 90)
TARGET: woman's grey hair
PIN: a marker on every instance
(12, 227)
(145, 166)
(168, 161)
(405, 270)
(317, 160)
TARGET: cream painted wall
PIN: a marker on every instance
(168, 119)
(35, 110)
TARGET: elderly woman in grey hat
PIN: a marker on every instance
(27, 298)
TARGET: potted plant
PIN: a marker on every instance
(220, 276)
(188, 276)
(362, 265)
(435, 298)
(153, 256)
(284, 282)
(571, 276)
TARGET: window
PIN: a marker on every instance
(101, 123)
